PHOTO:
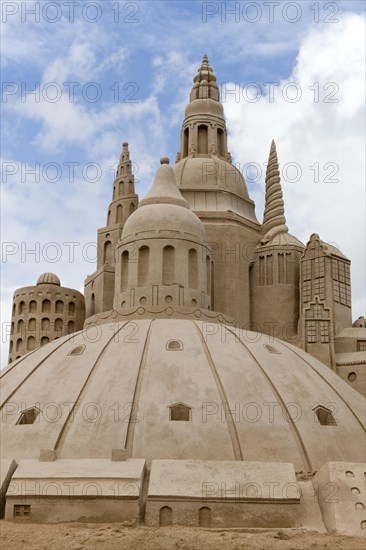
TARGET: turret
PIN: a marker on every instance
(216, 191)
(42, 313)
(99, 287)
(274, 274)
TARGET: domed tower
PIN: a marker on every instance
(216, 191)
(99, 287)
(42, 313)
(274, 275)
(163, 254)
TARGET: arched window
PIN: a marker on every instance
(12, 328)
(32, 324)
(20, 326)
(143, 266)
(180, 412)
(221, 142)
(185, 142)
(28, 416)
(107, 252)
(202, 140)
(271, 349)
(165, 516)
(204, 517)
(325, 416)
(59, 307)
(92, 304)
(192, 268)
(32, 306)
(208, 275)
(132, 208)
(109, 217)
(11, 346)
(70, 327)
(77, 351)
(168, 265)
(45, 324)
(31, 342)
(44, 340)
(58, 325)
(14, 309)
(71, 308)
(124, 270)
(174, 345)
(21, 307)
(121, 190)
(46, 306)
(119, 214)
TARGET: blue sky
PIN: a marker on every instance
(150, 55)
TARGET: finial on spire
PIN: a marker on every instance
(274, 220)
(205, 86)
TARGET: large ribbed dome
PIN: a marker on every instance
(246, 397)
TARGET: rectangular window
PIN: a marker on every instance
(281, 268)
(306, 270)
(361, 345)
(22, 510)
(261, 270)
(270, 269)
(306, 291)
(289, 264)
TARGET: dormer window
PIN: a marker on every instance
(174, 345)
(28, 416)
(325, 416)
(180, 412)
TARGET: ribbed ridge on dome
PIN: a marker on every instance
(48, 279)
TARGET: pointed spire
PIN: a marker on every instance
(124, 183)
(164, 189)
(205, 86)
(274, 213)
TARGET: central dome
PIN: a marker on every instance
(180, 389)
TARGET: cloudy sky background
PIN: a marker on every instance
(142, 57)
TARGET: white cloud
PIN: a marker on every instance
(307, 132)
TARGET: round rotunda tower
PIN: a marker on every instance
(163, 254)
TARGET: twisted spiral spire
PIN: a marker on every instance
(274, 220)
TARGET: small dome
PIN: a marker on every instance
(48, 279)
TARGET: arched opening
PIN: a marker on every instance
(46, 306)
(325, 416)
(12, 328)
(77, 351)
(192, 268)
(202, 140)
(109, 217)
(208, 275)
(121, 190)
(168, 265)
(45, 324)
(32, 324)
(32, 306)
(31, 342)
(92, 304)
(11, 346)
(29, 416)
(124, 270)
(174, 345)
(58, 326)
(119, 214)
(221, 142)
(70, 327)
(143, 266)
(165, 516)
(21, 307)
(132, 208)
(180, 412)
(59, 307)
(20, 326)
(71, 308)
(185, 142)
(44, 340)
(14, 309)
(107, 252)
(204, 517)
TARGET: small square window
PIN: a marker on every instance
(22, 510)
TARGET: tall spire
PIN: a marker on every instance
(205, 86)
(274, 213)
